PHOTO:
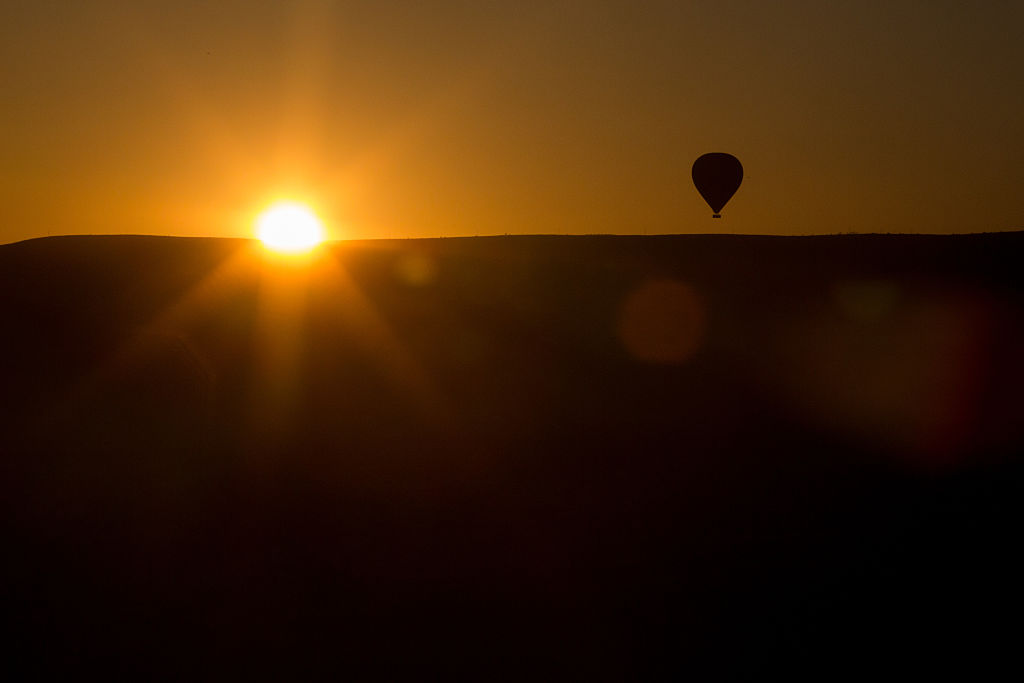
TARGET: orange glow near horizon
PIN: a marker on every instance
(289, 227)
(421, 120)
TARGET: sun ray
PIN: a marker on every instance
(169, 324)
(380, 343)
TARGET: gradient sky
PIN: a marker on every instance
(412, 119)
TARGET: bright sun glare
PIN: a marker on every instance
(289, 227)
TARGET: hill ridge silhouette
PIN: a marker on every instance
(616, 455)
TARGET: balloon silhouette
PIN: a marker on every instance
(717, 176)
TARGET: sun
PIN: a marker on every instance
(289, 227)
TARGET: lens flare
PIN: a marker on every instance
(662, 321)
(289, 227)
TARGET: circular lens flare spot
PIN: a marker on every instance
(289, 227)
(662, 321)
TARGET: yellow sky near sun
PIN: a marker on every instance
(407, 119)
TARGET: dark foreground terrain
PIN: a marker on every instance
(507, 458)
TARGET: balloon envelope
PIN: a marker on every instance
(717, 176)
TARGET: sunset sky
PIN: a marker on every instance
(403, 118)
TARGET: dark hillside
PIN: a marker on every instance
(582, 457)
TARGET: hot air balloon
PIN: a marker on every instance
(717, 176)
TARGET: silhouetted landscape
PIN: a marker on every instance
(510, 457)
